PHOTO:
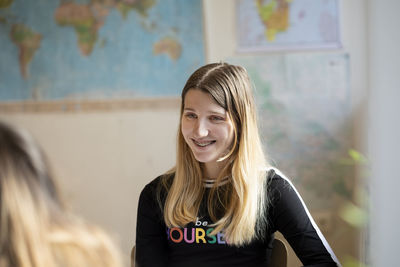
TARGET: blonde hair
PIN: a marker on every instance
(244, 200)
(36, 229)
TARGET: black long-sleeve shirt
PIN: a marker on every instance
(191, 246)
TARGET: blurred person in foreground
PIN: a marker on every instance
(36, 228)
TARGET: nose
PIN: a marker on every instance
(200, 129)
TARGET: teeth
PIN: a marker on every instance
(203, 144)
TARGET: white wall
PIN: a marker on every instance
(384, 127)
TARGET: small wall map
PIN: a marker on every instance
(98, 49)
(287, 24)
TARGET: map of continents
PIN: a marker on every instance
(98, 48)
(283, 24)
(27, 40)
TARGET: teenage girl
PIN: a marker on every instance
(222, 202)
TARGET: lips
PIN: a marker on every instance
(203, 143)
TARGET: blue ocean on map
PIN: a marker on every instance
(93, 50)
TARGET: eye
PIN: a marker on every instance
(190, 115)
(217, 118)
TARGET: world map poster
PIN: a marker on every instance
(96, 49)
(287, 25)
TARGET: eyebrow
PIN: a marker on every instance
(211, 112)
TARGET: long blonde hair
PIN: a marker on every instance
(36, 229)
(244, 199)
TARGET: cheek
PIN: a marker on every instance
(230, 140)
(224, 134)
(230, 136)
(185, 129)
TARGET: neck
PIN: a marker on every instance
(211, 170)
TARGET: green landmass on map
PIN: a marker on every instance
(141, 7)
(87, 19)
(81, 18)
(168, 46)
(274, 15)
(27, 41)
(5, 3)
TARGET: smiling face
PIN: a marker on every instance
(207, 129)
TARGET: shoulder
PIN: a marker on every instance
(159, 180)
(280, 188)
(153, 184)
(158, 187)
(277, 180)
(150, 188)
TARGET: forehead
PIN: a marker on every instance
(197, 99)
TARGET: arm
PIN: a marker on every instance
(151, 238)
(292, 218)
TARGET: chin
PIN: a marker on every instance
(204, 159)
